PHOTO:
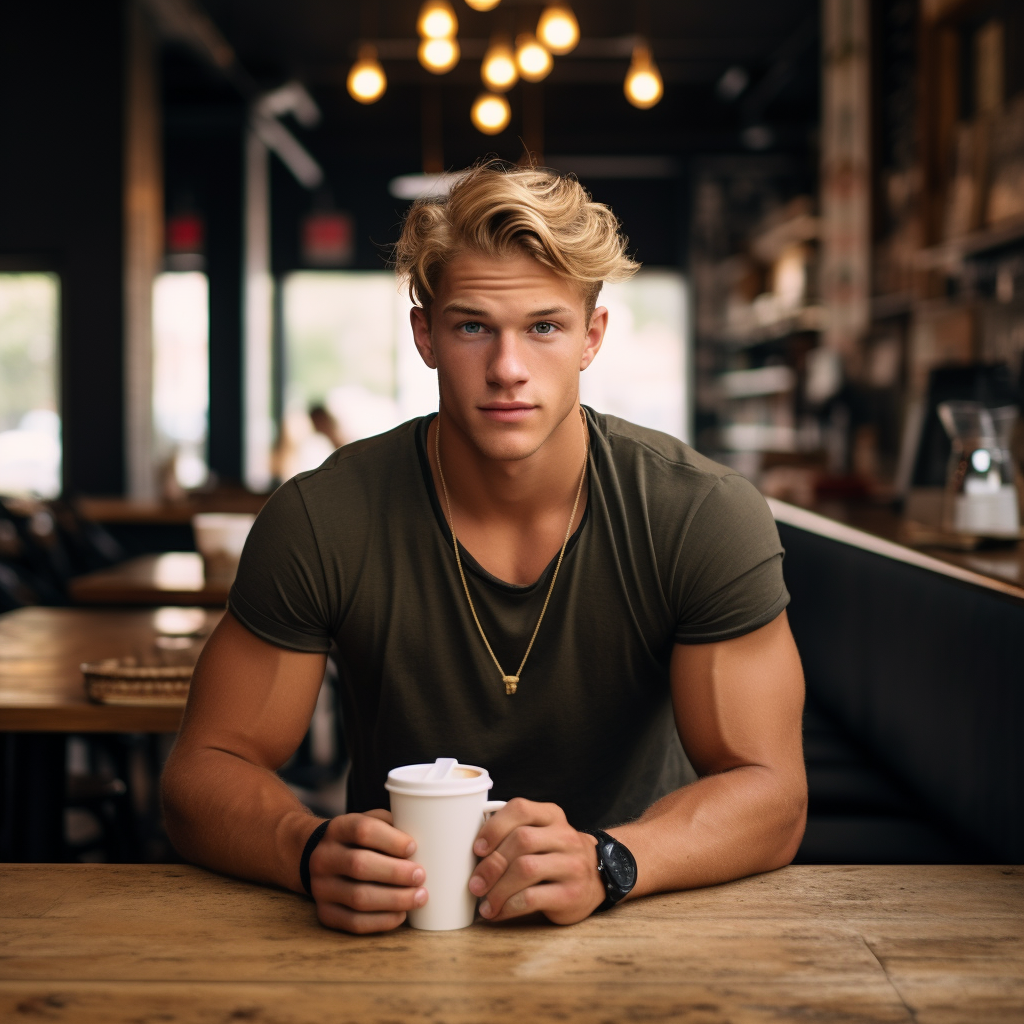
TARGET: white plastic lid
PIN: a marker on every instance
(445, 777)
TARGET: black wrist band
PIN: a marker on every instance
(307, 852)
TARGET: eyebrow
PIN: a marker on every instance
(455, 307)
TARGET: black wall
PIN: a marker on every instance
(61, 107)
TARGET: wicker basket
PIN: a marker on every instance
(124, 681)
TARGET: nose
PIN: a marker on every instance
(506, 366)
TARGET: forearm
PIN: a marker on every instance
(230, 815)
(737, 823)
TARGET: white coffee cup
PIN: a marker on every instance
(442, 806)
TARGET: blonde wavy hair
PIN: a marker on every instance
(502, 211)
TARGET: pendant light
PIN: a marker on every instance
(437, 20)
(533, 61)
(366, 79)
(558, 29)
(483, 5)
(643, 86)
(439, 56)
(498, 70)
(491, 113)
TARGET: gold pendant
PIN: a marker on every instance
(511, 682)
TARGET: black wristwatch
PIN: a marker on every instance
(616, 866)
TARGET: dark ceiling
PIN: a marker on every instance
(582, 106)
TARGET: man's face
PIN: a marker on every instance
(508, 338)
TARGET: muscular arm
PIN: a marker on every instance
(225, 807)
(249, 707)
(738, 706)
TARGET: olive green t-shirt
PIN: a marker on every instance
(672, 548)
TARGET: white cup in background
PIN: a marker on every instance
(442, 806)
(220, 537)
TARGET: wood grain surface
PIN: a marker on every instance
(177, 577)
(41, 684)
(942, 944)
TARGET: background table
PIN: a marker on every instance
(41, 684)
(42, 698)
(177, 577)
(934, 945)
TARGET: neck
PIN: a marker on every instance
(520, 490)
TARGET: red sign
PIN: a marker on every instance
(327, 239)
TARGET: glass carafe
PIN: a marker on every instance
(981, 481)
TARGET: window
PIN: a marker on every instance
(348, 348)
(642, 370)
(30, 427)
(181, 377)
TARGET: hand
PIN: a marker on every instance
(361, 876)
(534, 860)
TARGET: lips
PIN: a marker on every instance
(507, 412)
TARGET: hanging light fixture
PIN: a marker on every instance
(483, 5)
(643, 86)
(533, 61)
(439, 55)
(498, 69)
(491, 113)
(558, 29)
(437, 20)
(366, 79)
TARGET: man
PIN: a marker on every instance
(558, 596)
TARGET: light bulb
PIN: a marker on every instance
(366, 79)
(483, 5)
(643, 86)
(533, 61)
(491, 113)
(498, 69)
(437, 20)
(558, 29)
(439, 55)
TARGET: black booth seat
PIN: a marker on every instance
(915, 678)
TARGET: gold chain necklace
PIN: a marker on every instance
(511, 682)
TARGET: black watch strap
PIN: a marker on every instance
(616, 866)
(307, 852)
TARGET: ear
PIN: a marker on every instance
(595, 336)
(421, 335)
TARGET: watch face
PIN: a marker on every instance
(619, 864)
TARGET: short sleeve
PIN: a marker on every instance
(279, 592)
(728, 578)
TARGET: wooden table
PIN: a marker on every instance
(177, 577)
(106, 943)
(42, 698)
(41, 684)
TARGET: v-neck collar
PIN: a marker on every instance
(467, 558)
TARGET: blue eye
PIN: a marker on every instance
(543, 327)
(472, 328)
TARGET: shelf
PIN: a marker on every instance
(768, 380)
(810, 318)
(952, 253)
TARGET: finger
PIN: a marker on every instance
(372, 833)
(333, 859)
(524, 873)
(559, 902)
(522, 841)
(368, 897)
(334, 915)
(515, 813)
(379, 812)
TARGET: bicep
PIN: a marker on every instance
(249, 697)
(740, 701)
